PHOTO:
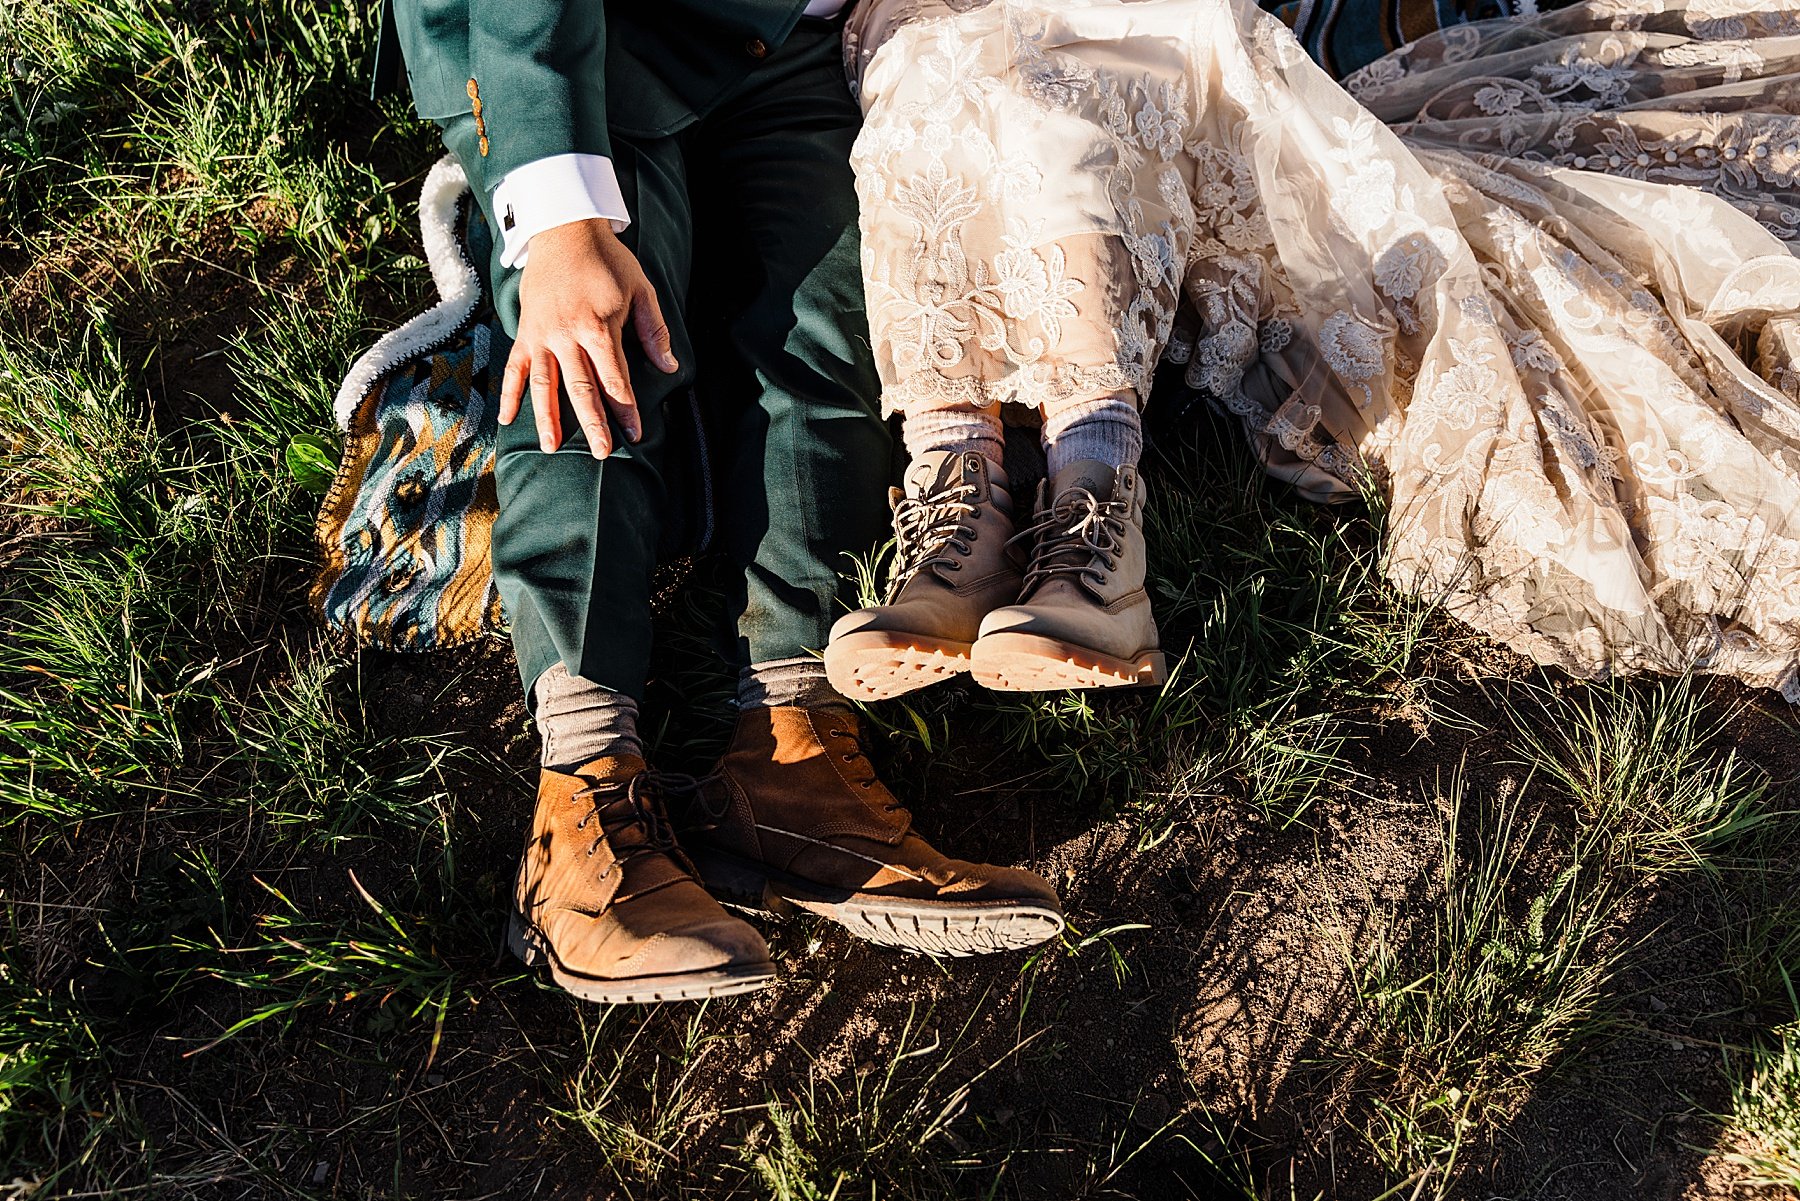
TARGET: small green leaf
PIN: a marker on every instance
(919, 725)
(312, 461)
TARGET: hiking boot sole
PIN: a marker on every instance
(950, 929)
(1032, 663)
(874, 665)
(525, 941)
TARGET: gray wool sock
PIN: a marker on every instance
(799, 682)
(961, 428)
(580, 721)
(1106, 430)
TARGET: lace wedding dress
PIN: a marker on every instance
(1528, 280)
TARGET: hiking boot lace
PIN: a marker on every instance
(631, 817)
(707, 794)
(932, 531)
(1078, 535)
(863, 770)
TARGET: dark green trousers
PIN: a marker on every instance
(745, 224)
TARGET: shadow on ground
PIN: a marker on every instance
(1198, 1033)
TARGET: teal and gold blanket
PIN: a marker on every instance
(403, 533)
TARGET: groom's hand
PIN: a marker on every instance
(580, 287)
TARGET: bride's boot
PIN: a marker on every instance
(1084, 618)
(953, 567)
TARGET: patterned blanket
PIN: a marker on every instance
(1345, 35)
(404, 531)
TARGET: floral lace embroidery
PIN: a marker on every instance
(943, 302)
(1511, 288)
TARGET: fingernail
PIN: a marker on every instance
(548, 446)
(669, 363)
(506, 421)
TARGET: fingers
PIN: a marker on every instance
(615, 379)
(584, 387)
(512, 384)
(653, 331)
(590, 368)
(593, 374)
(543, 400)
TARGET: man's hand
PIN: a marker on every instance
(579, 288)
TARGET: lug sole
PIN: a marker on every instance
(877, 665)
(526, 942)
(1033, 663)
(944, 929)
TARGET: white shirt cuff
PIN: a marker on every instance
(555, 191)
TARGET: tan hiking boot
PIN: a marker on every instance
(1084, 618)
(953, 567)
(796, 818)
(606, 899)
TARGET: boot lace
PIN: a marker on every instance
(630, 816)
(932, 531)
(1079, 535)
(847, 746)
(704, 800)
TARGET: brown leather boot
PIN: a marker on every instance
(606, 899)
(795, 817)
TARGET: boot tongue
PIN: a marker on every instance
(1096, 477)
(1066, 515)
(936, 470)
(612, 781)
(608, 768)
(933, 471)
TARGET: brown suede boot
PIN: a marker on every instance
(606, 899)
(795, 817)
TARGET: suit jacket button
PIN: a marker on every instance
(757, 48)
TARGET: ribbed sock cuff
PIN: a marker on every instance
(799, 682)
(1109, 430)
(579, 721)
(959, 429)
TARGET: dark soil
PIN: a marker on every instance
(1232, 1010)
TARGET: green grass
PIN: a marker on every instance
(1655, 784)
(1765, 1115)
(1463, 1006)
(1356, 902)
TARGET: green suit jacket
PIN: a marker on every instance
(563, 76)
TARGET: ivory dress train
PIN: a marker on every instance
(1529, 279)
